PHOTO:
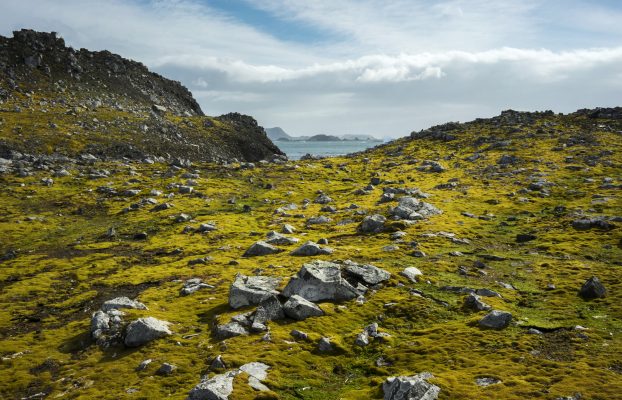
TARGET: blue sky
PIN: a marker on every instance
(381, 67)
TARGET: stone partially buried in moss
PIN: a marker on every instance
(310, 249)
(299, 308)
(366, 273)
(144, 330)
(261, 248)
(496, 320)
(593, 289)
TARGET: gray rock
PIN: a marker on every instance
(322, 219)
(325, 345)
(277, 238)
(320, 280)
(144, 364)
(219, 387)
(593, 289)
(366, 273)
(257, 372)
(251, 290)
(288, 229)
(122, 302)
(411, 273)
(372, 224)
(217, 363)
(186, 189)
(472, 302)
(100, 323)
(310, 249)
(269, 309)
(410, 208)
(261, 248)
(496, 320)
(193, 285)
(206, 228)
(299, 308)
(296, 334)
(487, 381)
(144, 330)
(589, 223)
(323, 199)
(166, 369)
(414, 387)
(230, 330)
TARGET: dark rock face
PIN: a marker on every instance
(592, 289)
(84, 83)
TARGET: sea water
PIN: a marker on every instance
(296, 149)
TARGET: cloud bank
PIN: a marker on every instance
(375, 67)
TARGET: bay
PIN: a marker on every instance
(296, 149)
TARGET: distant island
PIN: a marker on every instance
(277, 134)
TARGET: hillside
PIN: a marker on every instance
(57, 101)
(515, 213)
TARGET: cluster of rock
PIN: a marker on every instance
(220, 387)
(316, 281)
(109, 329)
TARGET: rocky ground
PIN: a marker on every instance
(477, 260)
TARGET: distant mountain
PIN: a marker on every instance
(324, 138)
(361, 137)
(277, 133)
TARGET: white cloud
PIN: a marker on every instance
(390, 66)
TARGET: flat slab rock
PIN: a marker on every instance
(414, 387)
(122, 302)
(320, 280)
(220, 387)
(367, 273)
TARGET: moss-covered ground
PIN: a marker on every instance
(66, 267)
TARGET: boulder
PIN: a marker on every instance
(261, 248)
(320, 280)
(593, 289)
(324, 345)
(411, 208)
(218, 387)
(411, 273)
(372, 224)
(589, 223)
(269, 309)
(288, 229)
(310, 249)
(144, 330)
(257, 372)
(251, 290)
(414, 387)
(496, 320)
(299, 308)
(322, 219)
(366, 273)
(230, 330)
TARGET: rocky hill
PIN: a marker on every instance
(57, 101)
(468, 261)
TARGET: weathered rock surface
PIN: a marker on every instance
(261, 248)
(414, 387)
(320, 280)
(310, 249)
(593, 289)
(372, 224)
(496, 320)
(299, 308)
(251, 290)
(144, 330)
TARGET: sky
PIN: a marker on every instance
(379, 67)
